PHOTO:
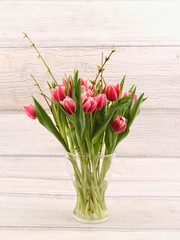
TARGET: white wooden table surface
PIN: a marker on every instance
(36, 194)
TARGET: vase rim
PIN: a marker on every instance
(101, 155)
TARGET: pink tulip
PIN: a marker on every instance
(84, 83)
(119, 124)
(86, 93)
(89, 104)
(135, 98)
(101, 101)
(64, 81)
(30, 111)
(54, 95)
(127, 94)
(59, 93)
(112, 92)
(69, 104)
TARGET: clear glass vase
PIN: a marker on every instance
(90, 175)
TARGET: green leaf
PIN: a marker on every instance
(135, 110)
(126, 113)
(46, 121)
(131, 89)
(78, 118)
(76, 76)
(132, 100)
(121, 136)
(144, 99)
(54, 85)
(131, 116)
(49, 85)
(67, 86)
(122, 85)
(108, 137)
(98, 86)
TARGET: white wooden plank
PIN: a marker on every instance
(122, 169)
(155, 71)
(155, 133)
(90, 23)
(81, 234)
(59, 188)
(125, 213)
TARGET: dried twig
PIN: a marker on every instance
(41, 92)
(40, 56)
(100, 70)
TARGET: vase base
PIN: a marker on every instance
(92, 219)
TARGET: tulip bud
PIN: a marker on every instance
(54, 95)
(69, 104)
(127, 94)
(59, 93)
(30, 111)
(101, 101)
(89, 104)
(119, 124)
(112, 92)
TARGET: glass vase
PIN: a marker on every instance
(90, 176)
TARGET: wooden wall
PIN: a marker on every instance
(72, 34)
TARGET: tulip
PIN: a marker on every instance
(30, 111)
(112, 92)
(89, 104)
(135, 98)
(64, 81)
(86, 93)
(54, 95)
(59, 93)
(84, 83)
(127, 94)
(101, 101)
(119, 124)
(69, 104)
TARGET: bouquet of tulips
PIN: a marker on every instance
(90, 118)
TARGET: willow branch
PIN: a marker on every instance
(41, 92)
(102, 78)
(100, 70)
(102, 59)
(40, 56)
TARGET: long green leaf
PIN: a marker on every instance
(131, 89)
(131, 116)
(79, 116)
(122, 136)
(135, 110)
(122, 85)
(46, 121)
